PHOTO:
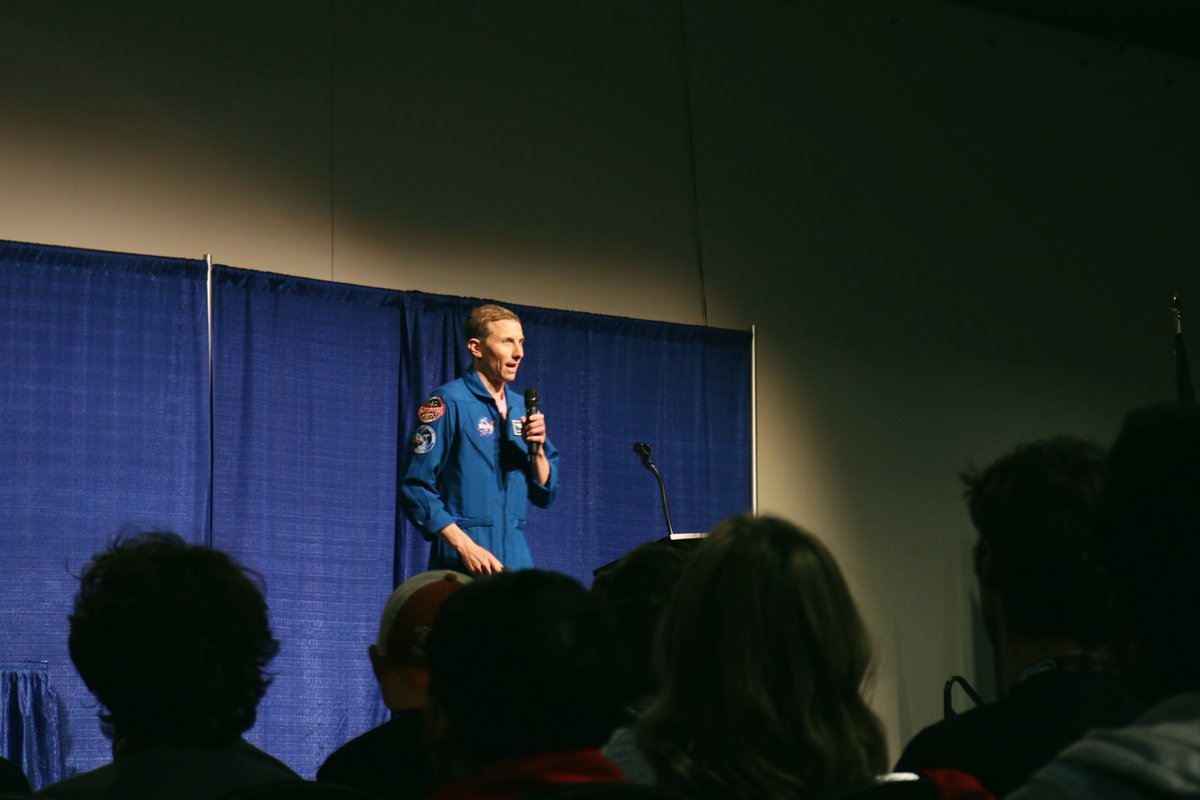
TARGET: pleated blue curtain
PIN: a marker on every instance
(612, 382)
(314, 392)
(434, 353)
(607, 382)
(103, 424)
(304, 476)
(29, 727)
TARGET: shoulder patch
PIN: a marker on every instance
(423, 440)
(431, 409)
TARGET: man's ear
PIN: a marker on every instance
(474, 348)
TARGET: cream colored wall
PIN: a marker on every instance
(953, 233)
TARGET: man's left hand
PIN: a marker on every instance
(533, 429)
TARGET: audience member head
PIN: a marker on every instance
(637, 586)
(1035, 510)
(763, 660)
(398, 655)
(522, 663)
(1149, 539)
(173, 640)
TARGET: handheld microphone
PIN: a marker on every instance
(531, 408)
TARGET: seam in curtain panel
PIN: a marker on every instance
(208, 308)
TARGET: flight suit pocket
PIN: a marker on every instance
(466, 523)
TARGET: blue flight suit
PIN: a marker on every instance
(467, 465)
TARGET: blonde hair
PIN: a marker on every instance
(763, 660)
(480, 317)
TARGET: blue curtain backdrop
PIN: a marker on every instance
(103, 424)
(304, 481)
(29, 729)
(314, 392)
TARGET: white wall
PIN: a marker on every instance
(953, 232)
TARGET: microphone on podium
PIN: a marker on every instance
(643, 450)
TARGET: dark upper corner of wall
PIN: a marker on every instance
(1168, 26)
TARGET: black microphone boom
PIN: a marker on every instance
(643, 450)
(531, 408)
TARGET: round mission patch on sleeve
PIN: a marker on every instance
(431, 409)
(423, 440)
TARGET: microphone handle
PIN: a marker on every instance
(534, 447)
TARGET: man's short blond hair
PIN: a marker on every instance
(476, 326)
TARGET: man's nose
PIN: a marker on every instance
(518, 352)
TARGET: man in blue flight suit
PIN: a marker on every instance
(470, 473)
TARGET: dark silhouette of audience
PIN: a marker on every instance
(1045, 607)
(390, 761)
(763, 660)
(173, 640)
(529, 673)
(637, 586)
(1148, 537)
(12, 778)
(509, 686)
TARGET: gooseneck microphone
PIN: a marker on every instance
(531, 408)
(643, 451)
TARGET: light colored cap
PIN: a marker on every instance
(409, 612)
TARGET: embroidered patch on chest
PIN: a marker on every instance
(486, 426)
(423, 440)
(517, 427)
(431, 409)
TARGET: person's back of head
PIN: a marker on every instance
(1035, 510)
(526, 662)
(173, 639)
(763, 659)
(638, 586)
(1149, 540)
(398, 655)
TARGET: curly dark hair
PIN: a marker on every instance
(173, 640)
(1036, 508)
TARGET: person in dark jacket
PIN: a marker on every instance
(390, 761)
(173, 640)
(1045, 606)
(1148, 538)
